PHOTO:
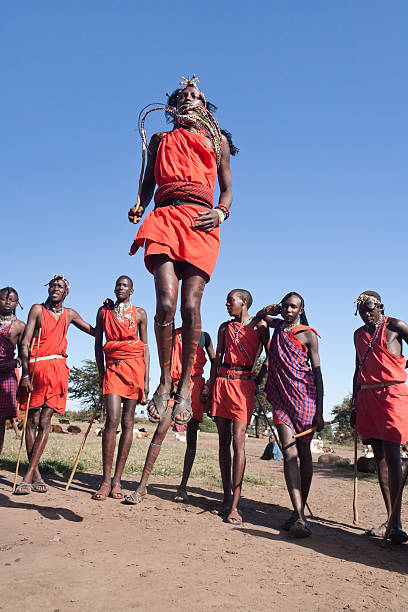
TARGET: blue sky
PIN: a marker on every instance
(315, 95)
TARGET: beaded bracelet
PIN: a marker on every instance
(223, 209)
(221, 216)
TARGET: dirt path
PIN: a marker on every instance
(61, 551)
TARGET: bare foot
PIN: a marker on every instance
(222, 509)
(116, 491)
(102, 493)
(234, 517)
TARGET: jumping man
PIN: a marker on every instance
(50, 384)
(125, 379)
(181, 238)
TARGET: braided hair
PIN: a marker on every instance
(9, 290)
(172, 103)
(303, 317)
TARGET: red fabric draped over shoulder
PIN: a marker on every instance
(186, 170)
(382, 413)
(50, 384)
(124, 356)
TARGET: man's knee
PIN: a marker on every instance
(127, 422)
(190, 311)
(290, 453)
(166, 307)
(112, 422)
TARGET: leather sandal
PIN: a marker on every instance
(181, 404)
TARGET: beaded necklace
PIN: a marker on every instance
(371, 342)
(288, 328)
(124, 313)
(6, 320)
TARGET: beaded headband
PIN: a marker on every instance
(58, 277)
(365, 297)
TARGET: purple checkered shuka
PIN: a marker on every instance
(8, 380)
(290, 387)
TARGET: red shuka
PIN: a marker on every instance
(124, 356)
(197, 380)
(50, 384)
(185, 169)
(382, 413)
(234, 398)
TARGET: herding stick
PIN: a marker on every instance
(355, 507)
(97, 407)
(26, 413)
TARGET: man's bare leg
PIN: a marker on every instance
(166, 283)
(113, 408)
(393, 458)
(37, 449)
(125, 442)
(192, 289)
(15, 429)
(191, 437)
(238, 468)
(383, 481)
(306, 468)
(152, 454)
(2, 432)
(224, 456)
(293, 482)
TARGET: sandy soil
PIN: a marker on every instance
(62, 551)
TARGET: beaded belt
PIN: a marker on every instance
(180, 203)
(237, 376)
(192, 378)
(47, 357)
(381, 385)
(237, 368)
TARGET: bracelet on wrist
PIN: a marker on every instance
(18, 362)
(223, 209)
(221, 216)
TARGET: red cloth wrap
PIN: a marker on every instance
(50, 384)
(381, 413)
(234, 398)
(196, 384)
(125, 377)
(185, 169)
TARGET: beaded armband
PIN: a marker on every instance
(224, 210)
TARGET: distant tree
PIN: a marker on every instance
(342, 430)
(261, 405)
(84, 384)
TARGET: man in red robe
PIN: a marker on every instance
(197, 399)
(49, 387)
(124, 378)
(239, 344)
(181, 240)
(380, 398)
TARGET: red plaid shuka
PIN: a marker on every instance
(8, 380)
(291, 387)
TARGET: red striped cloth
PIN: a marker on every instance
(291, 387)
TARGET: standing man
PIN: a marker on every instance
(11, 333)
(181, 236)
(380, 398)
(50, 385)
(232, 385)
(124, 379)
(204, 346)
(295, 390)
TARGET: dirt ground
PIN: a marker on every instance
(62, 551)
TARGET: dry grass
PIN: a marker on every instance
(61, 450)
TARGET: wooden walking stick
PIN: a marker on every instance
(97, 408)
(278, 442)
(355, 507)
(396, 503)
(26, 412)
